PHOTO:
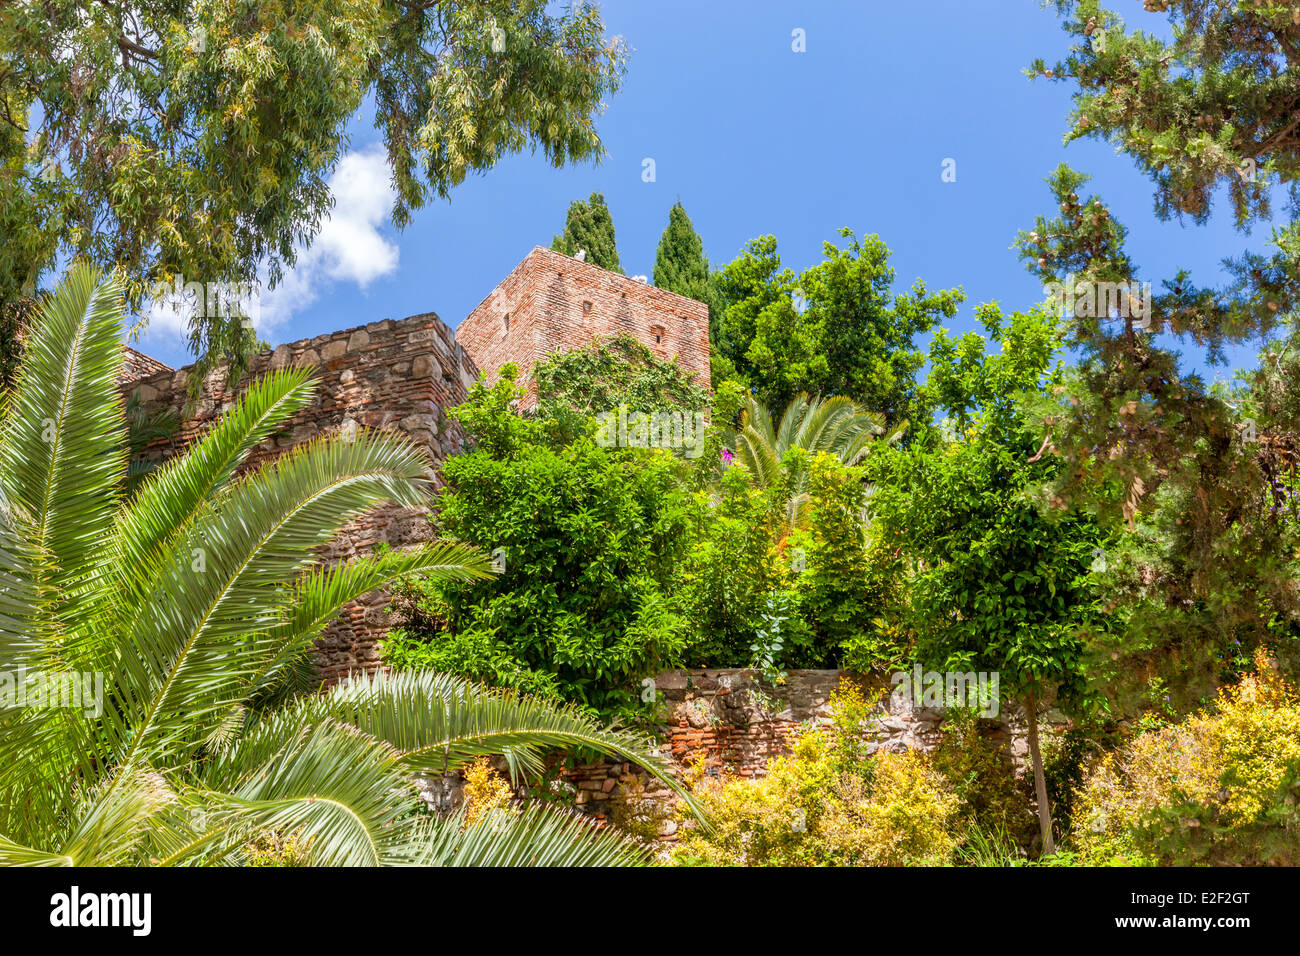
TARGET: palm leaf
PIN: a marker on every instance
(61, 439)
(535, 836)
(339, 789)
(172, 494)
(439, 723)
(208, 631)
(318, 596)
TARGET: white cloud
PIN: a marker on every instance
(350, 247)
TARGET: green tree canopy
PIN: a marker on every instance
(836, 329)
(590, 541)
(1203, 476)
(1000, 582)
(191, 139)
(680, 263)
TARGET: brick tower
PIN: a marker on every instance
(554, 303)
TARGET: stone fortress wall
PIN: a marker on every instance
(399, 376)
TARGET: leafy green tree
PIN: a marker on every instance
(680, 263)
(734, 567)
(589, 228)
(591, 540)
(835, 329)
(195, 602)
(1201, 476)
(1000, 583)
(1208, 108)
(167, 138)
(780, 548)
(845, 577)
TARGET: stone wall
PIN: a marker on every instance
(136, 365)
(736, 723)
(399, 376)
(554, 303)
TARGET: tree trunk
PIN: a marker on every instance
(1040, 781)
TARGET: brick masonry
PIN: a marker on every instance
(136, 365)
(553, 303)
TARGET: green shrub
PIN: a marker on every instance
(843, 588)
(995, 802)
(733, 569)
(589, 542)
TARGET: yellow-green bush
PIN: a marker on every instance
(485, 791)
(275, 849)
(1220, 788)
(828, 805)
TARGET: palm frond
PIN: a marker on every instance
(209, 626)
(440, 723)
(61, 439)
(534, 836)
(15, 854)
(318, 595)
(170, 497)
(343, 792)
(835, 426)
(124, 822)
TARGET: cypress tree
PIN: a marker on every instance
(590, 227)
(680, 264)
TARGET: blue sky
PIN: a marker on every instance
(755, 138)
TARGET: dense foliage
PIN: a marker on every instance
(1054, 500)
(1220, 787)
(588, 540)
(154, 649)
(1000, 582)
(195, 139)
(828, 804)
(615, 371)
(837, 328)
(618, 562)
